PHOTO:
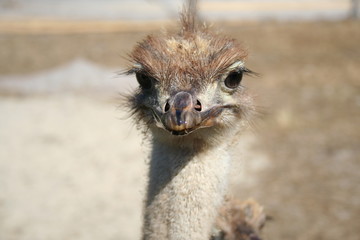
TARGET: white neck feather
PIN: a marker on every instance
(185, 189)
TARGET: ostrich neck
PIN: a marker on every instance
(186, 187)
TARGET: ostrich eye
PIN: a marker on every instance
(144, 80)
(233, 79)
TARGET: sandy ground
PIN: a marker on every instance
(69, 170)
(72, 168)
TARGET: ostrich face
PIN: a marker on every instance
(189, 82)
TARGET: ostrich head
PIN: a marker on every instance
(189, 83)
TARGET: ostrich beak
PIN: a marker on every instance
(181, 114)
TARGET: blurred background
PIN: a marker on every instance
(73, 166)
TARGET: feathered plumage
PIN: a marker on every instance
(191, 100)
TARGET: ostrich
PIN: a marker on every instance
(192, 107)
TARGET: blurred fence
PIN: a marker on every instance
(354, 12)
(165, 9)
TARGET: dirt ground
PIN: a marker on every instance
(70, 168)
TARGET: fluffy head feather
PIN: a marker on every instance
(195, 61)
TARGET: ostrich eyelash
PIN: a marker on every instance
(248, 72)
(131, 71)
(136, 69)
(242, 69)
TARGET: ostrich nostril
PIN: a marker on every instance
(167, 106)
(197, 107)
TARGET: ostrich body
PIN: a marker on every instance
(192, 107)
